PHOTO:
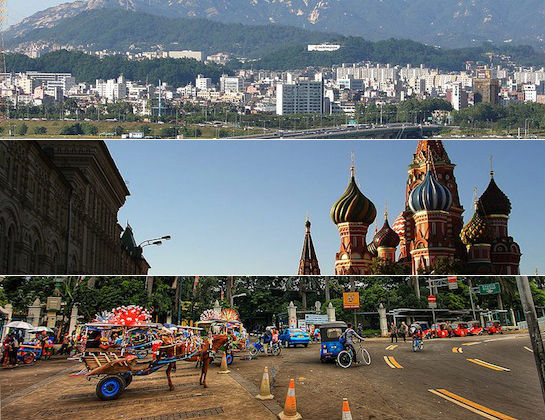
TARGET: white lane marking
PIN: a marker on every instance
(529, 349)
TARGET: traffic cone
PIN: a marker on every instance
(223, 367)
(265, 387)
(347, 415)
(290, 407)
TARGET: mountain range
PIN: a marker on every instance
(446, 23)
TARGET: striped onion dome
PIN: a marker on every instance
(353, 206)
(386, 236)
(372, 248)
(399, 225)
(476, 231)
(430, 195)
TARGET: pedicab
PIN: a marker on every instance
(36, 349)
(460, 329)
(108, 354)
(493, 327)
(475, 328)
(332, 346)
(438, 330)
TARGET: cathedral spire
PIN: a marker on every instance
(308, 264)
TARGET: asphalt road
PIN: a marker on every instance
(436, 383)
(491, 377)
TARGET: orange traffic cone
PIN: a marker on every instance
(290, 407)
(265, 387)
(223, 367)
(347, 415)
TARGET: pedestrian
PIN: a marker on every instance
(393, 332)
(267, 338)
(14, 350)
(6, 346)
(403, 331)
(449, 329)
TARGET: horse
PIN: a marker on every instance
(171, 349)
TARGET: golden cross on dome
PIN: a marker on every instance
(352, 164)
(492, 166)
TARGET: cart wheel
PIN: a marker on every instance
(127, 377)
(365, 357)
(110, 387)
(29, 358)
(254, 352)
(229, 358)
(344, 359)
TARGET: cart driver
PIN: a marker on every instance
(348, 336)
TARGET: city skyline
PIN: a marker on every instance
(256, 235)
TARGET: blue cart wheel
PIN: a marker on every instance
(110, 387)
(229, 358)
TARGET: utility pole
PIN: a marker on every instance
(529, 310)
(471, 297)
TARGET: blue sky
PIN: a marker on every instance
(239, 207)
(20, 9)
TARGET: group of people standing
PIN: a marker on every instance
(10, 347)
(402, 332)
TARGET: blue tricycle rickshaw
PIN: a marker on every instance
(332, 346)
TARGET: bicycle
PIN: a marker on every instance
(258, 348)
(418, 344)
(345, 358)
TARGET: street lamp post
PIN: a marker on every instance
(154, 241)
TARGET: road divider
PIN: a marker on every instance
(391, 347)
(470, 405)
(392, 362)
(457, 350)
(489, 365)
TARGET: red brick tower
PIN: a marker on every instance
(434, 152)
(430, 202)
(353, 213)
(308, 264)
(494, 207)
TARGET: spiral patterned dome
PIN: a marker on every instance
(476, 231)
(493, 200)
(430, 195)
(353, 206)
(386, 237)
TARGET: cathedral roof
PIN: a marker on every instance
(430, 150)
(493, 200)
(476, 231)
(309, 262)
(386, 236)
(353, 206)
(430, 195)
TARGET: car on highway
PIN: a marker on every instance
(293, 336)
(461, 329)
(475, 328)
(493, 327)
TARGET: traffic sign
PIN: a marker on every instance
(452, 282)
(432, 298)
(489, 289)
(351, 300)
(315, 319)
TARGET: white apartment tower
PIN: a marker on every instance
(300, 97)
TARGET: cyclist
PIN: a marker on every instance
(348, 335)
(416, 332)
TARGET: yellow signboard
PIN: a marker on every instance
(351, 300)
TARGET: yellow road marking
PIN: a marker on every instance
(395, 363)
(467, 407)
(457, 350)
(393, 346)
(471, 343)
(484, 411)
(529, 349)
(387, 360)
(488, 365)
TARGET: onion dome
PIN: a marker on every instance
(353, 206)
(430, 195)
(493, 200)
(386, 236)
(372, 249)
(476, 231)
(399, 225)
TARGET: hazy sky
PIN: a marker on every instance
(239, 207)
(20, 9)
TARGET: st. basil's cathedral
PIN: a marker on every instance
(430, 228)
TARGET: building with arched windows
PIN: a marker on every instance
(59, 201)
